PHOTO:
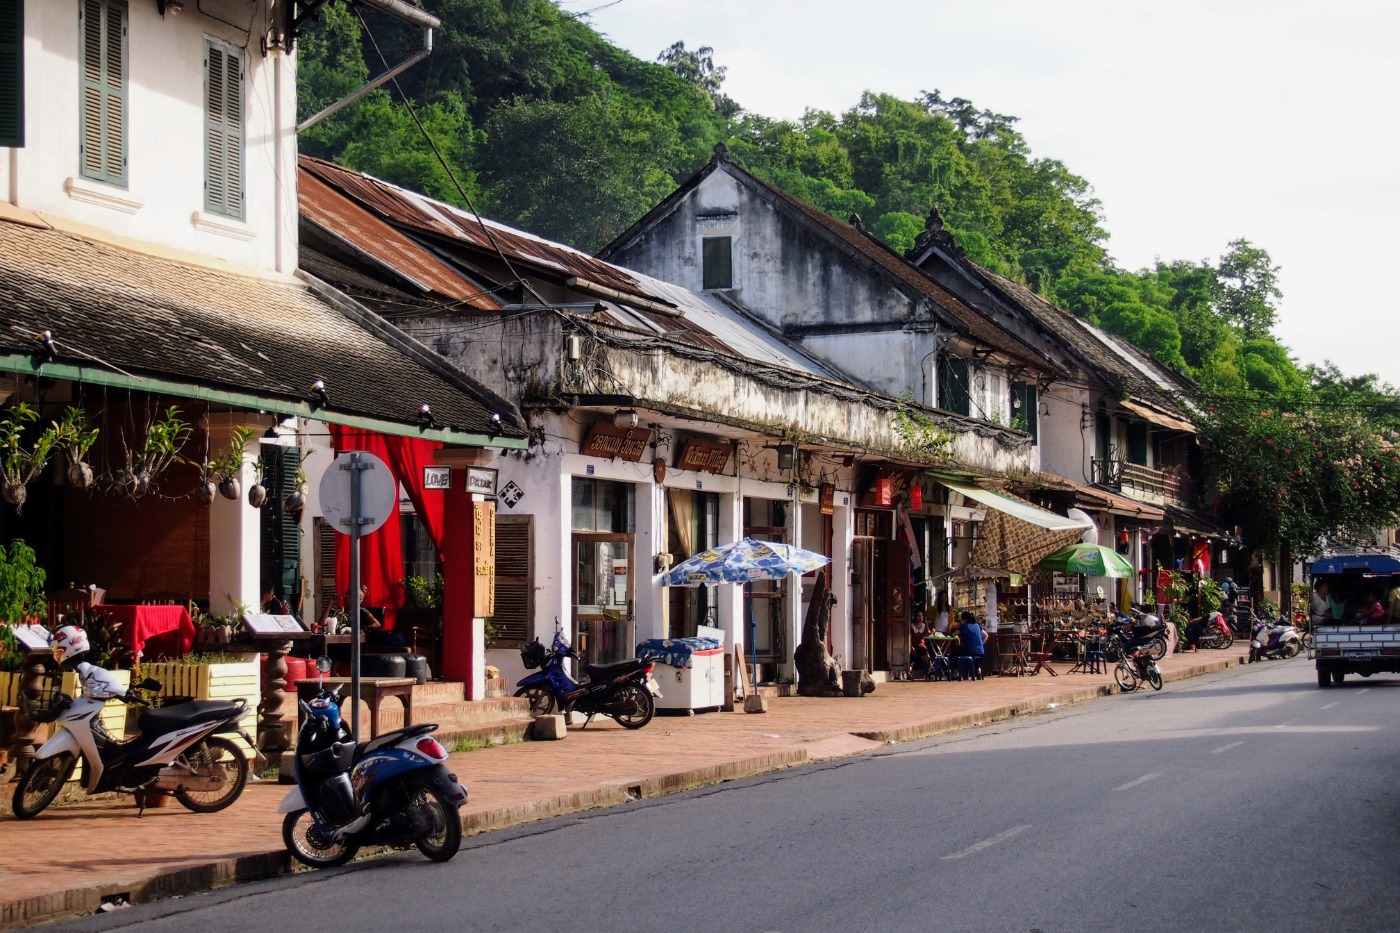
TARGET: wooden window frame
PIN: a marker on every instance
(97, 96)
(711, 267)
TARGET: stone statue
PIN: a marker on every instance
(817, 674)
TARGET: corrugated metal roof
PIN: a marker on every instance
(419, 212)
(380, 242)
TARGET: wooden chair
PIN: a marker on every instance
(63, 604)
(1041, 659)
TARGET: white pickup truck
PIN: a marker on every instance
(1341, 645)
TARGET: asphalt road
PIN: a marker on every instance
(1249, 800)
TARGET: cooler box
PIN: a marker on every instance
(690, 671)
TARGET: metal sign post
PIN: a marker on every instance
(358, 494)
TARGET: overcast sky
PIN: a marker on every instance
(1197, 121)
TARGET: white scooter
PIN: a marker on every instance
(177, 749)
(1274, 640)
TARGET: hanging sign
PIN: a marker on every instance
(484, 558)
(437, 477)
(707, 456)
(481, 481)
(606, 439)
(827, 498)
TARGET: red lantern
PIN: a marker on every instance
(884, 492)
(916, 498)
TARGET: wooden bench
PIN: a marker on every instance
(373, 690)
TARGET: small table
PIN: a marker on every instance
(1013, 654)
(372, 691)
(153, 630)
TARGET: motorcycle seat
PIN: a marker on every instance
(168, 718)
(600, 673)
(392, 738)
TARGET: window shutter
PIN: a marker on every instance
(12, 73)
(223, 130)
(515, 580)
(1029, 412)
(102, 151)
(325, 565)
(280, 562)
(953, 390)
(1137, 442)
(716, 259)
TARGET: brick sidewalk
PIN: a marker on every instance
(65, 861)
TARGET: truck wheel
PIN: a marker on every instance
(1338, 676)
(1324, 679)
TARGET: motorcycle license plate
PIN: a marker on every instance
(654, 687)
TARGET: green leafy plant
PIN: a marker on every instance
(920, 432)
(11, 652)
(165, 438)
(75, 437)
(423, 593)
(21, 584)
(220, 474)
(20, 463)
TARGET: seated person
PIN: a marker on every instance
(271, 603)
(918, 650)
(971, 641)
(1374, 612)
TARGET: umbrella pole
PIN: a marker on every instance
(753, 648)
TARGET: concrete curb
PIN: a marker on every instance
(220, 872)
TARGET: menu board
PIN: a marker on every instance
(31, 637)
(261, 623)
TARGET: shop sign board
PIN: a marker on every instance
(437, 477)
(484, 558)
(481, 481)
(606, 439)
(827, 498)
(706, 456)
(1066, 584)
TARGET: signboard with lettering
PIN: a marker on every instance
(827, 498)
(484, 557)
(606, 439)
(437, 477)
(708, 456)
(481, 481)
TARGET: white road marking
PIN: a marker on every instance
(1363, 690)
(1332, 704)
(988, 843)
(1142, 780)
(1225, 748)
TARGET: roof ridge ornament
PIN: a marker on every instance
(722, 153)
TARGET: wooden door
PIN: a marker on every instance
(862, 596)
(891, 623)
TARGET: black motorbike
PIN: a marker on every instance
(624, 690)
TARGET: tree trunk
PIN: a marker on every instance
(1285, 590)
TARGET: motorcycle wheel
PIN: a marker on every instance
(1157, 648)
(215, 757)
(1154, 678)
(541, 700)
(446, 838)
(1291, 649)
(638, 701)
(1225, 641)
(41, 784)
(1125, 677)
(308, 846)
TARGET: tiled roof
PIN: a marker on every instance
(158, 317)
(953, 309)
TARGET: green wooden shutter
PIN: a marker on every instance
(515, 580)
(280, 557)
(223, 129)
(1137, 442)
(12, 73)
(102, 151)
(953, 386)
(1026, 417)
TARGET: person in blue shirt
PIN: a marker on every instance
(971, 641)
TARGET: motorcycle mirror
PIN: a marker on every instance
(150, 683)
(323, 664)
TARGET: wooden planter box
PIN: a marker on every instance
(232, 680)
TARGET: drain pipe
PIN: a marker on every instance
(409, 14)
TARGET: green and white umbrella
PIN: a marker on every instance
(1092, 559)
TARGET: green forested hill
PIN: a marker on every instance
(550, 127)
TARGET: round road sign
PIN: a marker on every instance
(378, 492)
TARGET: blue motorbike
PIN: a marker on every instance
(394, 790)
(624, 690)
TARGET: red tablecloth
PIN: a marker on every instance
(154, 630)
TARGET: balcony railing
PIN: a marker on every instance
(1169, 486)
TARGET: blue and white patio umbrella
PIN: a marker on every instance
(743, 562)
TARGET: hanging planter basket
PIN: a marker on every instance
(75, 438)
(165, 438)
(221, 473)
(21, 463)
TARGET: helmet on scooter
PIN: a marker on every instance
(69, 645)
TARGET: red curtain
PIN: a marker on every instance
(381, 553)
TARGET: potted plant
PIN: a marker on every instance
(165, 438)
(75, 438)
(221, 473)
(257, 493)
(21, 463)
(21, 584)
(295, 503)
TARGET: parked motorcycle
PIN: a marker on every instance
(394, 790)
(1215, 632)
(1278, 639)
(1147, 632)
(182, 748)
(624, 690)
(1137, 667)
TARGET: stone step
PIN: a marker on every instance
(460, 713)
(492, 733)
(438, 690)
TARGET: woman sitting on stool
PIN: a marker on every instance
(971, 647)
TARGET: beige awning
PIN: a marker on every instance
(1157, 417)
(1016, 535)
(1026, 512)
